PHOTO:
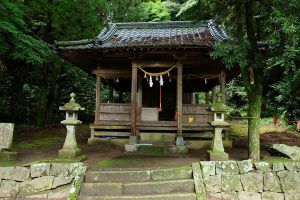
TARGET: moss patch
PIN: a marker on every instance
(274, 159)
(118, 162)
(40, 141)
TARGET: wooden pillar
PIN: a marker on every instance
(98, 98)
(140, 97)
(111, 94)
(213, 94)
(133, 99)
(120, 97)
(206, 98)
(196, 98)
(223, 86)
(179, 100)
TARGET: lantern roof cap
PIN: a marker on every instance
(218, 106)
(72, 105)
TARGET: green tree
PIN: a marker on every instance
(263, 35)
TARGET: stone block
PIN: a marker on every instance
(6, 135)
(59, 169)
(21, 174)
(159, 187)
(7, 172)
(77, 168)
(290, 181)
(214, 195)
(9, 188)
(198, 180)
(252, 182)
(208, 168)
(231, 182)
(271, 182)
(133, 140)
(292, 166)
(217, 155)
(131, 148)
(242, 195)
(262, 166)
(117, 176)
(103, 189)
(245, 166)
(229, 195)
(36, 185)
(278, 167)
(227, 167)
(293, 152)
(69, 153)
(272, 196)
(172, 173)
(212, 183)
(59, 181)
(40, 169)
(292, 196)
(59, 193)
(37, 196)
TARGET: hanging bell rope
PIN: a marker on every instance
(156, 74)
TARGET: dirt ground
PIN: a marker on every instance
(34, 144)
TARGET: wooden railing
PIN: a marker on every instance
(114, 112)
(198, 113)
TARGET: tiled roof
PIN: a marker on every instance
(148, 34)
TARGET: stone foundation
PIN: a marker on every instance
(245, 180)
(39, 181)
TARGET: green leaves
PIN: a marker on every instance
(15, 39)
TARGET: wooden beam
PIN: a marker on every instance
(143, 63)
(140, 97)
(223, 86)
(98, 98)
(133, 98)
(179, 99)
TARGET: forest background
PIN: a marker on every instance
(34, 82)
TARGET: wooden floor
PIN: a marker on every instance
(150, 126)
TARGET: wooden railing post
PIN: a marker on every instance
(179, 140)
(133, 98)
(98, 97)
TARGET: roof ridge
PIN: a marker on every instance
(164, 24)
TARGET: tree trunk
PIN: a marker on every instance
(254, 111)
(42, 102)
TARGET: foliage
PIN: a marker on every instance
(16, 40)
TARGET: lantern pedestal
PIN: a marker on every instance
(70, 149)
(217, 148)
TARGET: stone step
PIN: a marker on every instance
(159, 187)
(177, 196)
(138, 188)
(137, 175)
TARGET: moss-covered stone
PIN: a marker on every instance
(212, 183)
(231, 182)
(272, 196)
(290, 181)
(252, 182)
(208, 168)
(245, 166)
(227, 167)
(271, 182)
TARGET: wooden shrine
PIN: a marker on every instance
(162, 65)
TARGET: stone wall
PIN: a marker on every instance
(42, 180)
(245, 180)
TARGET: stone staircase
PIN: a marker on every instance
(139, 184)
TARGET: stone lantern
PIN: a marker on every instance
(217, 148)
(70, 148)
